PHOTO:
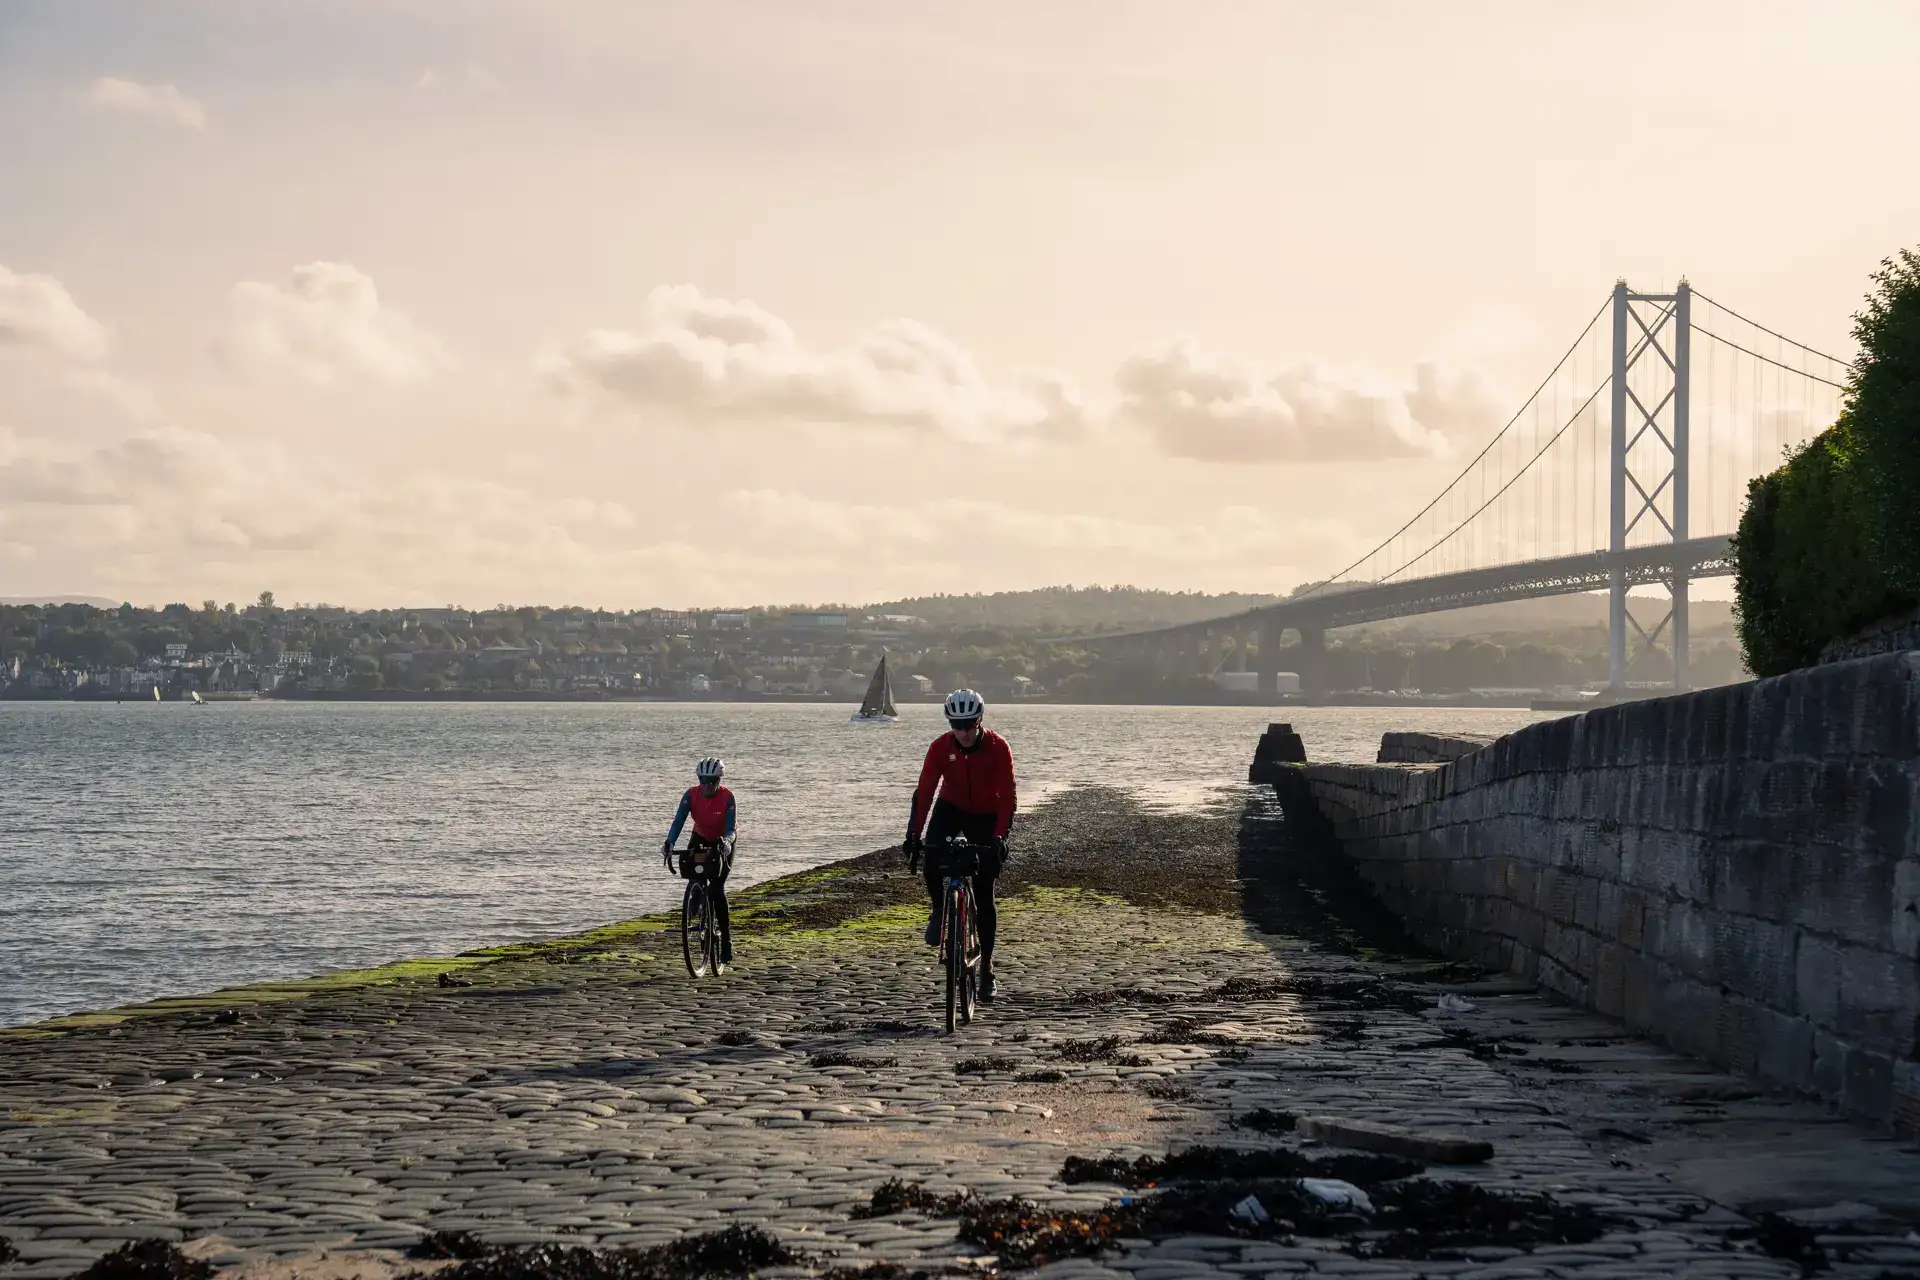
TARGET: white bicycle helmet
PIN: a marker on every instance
(712, 769)
(965, 704)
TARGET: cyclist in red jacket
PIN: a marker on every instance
(972, 770)
(711, 807)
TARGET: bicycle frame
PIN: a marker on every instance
(959, 939)
(696, 910)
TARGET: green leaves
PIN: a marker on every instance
(1806, 567)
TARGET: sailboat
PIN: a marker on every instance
(195, 695)
(156, 693)
(877, 706)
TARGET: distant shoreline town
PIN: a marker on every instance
(1012, 647)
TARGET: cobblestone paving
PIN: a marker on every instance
(609, 1100)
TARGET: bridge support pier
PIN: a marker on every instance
(1269, 658)
(1313, 661)
(1241, 641)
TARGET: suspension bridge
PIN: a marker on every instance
(1626, 467)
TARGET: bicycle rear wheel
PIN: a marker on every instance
(709, 933)
(692, 949)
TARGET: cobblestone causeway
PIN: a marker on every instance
(591, 1093)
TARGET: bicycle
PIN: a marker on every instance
(699, 934)
(958, 862)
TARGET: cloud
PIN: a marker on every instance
(162, 101)
(713, 359)
(327, 322)
(706, 360)
(37, 312)
(469, 77)
(170, 513)
(1194, 403)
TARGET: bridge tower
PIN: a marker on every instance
(1651, 395)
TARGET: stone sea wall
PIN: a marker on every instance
(1735, 871)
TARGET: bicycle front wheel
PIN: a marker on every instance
(692, 948)
(709, 933)
(956, 954)
(969, 956)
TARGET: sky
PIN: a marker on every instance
(745, 301)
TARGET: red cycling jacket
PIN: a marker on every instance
(976, 781)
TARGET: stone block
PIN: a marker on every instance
(1817, 981)
(1756, 959)
(1608, 988)
(1633, 919)
(1904, 912)
(1687, 1015)
(1686, 940)
(1867, 1087)
(1829, 1071)
(1840, 892)
(1752, 877)
(1906, 1098)
(1783, 1050)
(1879, 998)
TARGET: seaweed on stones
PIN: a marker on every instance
(1125, 995)
(895, 1196)
(1265, 1120)
(889, 1026)
(735, 1251)
(1189, 1031)
(1166, 1091)
(1046, 1075)
(1781, 1237)
(7, 1252)
(1104, 1049)
(893, 1271)
(440, 1245)
(827, 1027)
(147, 1260)
(734, 1039)
(837, 1059)
(1427, 1218)
(1024, 1234)
(1214, 1164)
(981, 1066)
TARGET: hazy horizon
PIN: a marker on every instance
(687, 305)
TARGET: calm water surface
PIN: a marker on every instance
(161, 849)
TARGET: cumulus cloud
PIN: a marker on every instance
(162, 101)
(37, 312)
(1195, 403)
(325, 323)
(716, 359)
(170, 513)
(703, 359)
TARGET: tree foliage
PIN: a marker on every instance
(1884, 404)
(1806, 568)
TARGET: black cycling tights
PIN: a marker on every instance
(946, 822)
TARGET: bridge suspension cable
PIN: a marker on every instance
(1511, 502)
(1469, 468)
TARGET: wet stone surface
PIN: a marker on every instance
(1168, 982)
